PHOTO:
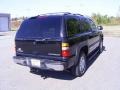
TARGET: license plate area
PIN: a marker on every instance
(35, 63)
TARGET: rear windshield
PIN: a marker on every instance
(40, 27)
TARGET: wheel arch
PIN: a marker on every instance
(82, 49)
(85, 50)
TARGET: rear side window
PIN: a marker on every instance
(72, 26)
(84, 25)
(41, 27)
(77, 26)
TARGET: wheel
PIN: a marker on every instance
(101, 46)
(80, 68)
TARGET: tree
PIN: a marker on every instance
(99, 19)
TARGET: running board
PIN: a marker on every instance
(93, 55)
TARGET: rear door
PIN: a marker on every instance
(39, 36)
(93, 37)
(38, 48)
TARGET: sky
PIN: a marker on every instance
(18, 8)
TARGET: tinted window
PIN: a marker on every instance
(40, 27)
(72, 26)
(84, 25)
(93, 26)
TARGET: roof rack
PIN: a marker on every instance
(57, 13)
(78, 14)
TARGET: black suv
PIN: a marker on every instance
(57, 41)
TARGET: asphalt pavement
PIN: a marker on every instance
(103, 72)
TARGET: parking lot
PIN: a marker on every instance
(103, 73)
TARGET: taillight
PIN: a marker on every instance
(65, 50)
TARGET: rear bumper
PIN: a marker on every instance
(41, 63)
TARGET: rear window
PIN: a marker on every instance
(40, 27)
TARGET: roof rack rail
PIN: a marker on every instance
(61, 13)
(65, 12)
(57, 13)
(78, 14)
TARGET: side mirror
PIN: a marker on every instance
(100, 27)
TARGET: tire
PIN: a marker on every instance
(101, 47)
(80, 68)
